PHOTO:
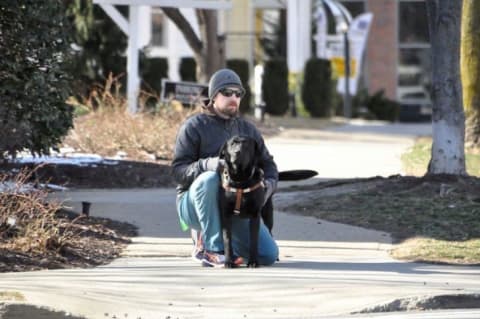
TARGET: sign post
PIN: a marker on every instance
(187, 93)
(345, 49)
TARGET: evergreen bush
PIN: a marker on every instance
(241, 68)
(378, 106)
(34, 83)
(275, 86)
(152, 70)
(188, 69)
(100, 45)
(318, 89)
(382, 107)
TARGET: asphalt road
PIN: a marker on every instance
(359, 149)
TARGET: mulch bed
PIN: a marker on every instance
(98, 242)
(101, 239)
(123, 174)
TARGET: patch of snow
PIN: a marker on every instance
(66, 156)
(54, 187)
(11, 187)
(121, 155)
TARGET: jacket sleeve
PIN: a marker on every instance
(186, 164)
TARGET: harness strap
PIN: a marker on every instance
(239, 193)
(238, 201)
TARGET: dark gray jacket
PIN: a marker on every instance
(200, 139)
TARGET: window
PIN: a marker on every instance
(414, 66)
(414, 50)
(354, 7)
(158, 28)
(413, 25)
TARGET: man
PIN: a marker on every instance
(195, 168)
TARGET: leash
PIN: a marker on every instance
(239, 191)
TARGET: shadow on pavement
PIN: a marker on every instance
(20, 311)
(385, 267)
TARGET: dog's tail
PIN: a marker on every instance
(296, 174)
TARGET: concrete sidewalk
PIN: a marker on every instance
(326, 269)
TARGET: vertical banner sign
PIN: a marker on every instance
(321, 36)
(358, 36)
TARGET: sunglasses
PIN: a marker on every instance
(230, 92)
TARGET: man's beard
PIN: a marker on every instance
(231, 112)
(228, 112)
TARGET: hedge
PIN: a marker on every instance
(152, 70)
(34, 76)
(275, 86)
(188, 69)
(318, 88)
(242, 69)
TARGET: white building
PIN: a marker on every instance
(242, 25)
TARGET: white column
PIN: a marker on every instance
(145, 26)
(305, 21)
(133, 81)
(298, 34)
(293, 36)
(174, 49)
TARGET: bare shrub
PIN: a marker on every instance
(28, 221)
(108, 128)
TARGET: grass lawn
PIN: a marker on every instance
(415, 160)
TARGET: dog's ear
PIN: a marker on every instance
(223, 151)
(257, 147)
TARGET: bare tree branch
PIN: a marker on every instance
(209, 48)
(190, 36)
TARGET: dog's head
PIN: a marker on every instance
(241, 155)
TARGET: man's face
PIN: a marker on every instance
(227, 101)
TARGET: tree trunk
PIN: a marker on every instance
(470, 67)
(448, 120)
(208, 50)
(212, 56)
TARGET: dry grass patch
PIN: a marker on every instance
(38, 233)
(142, 136)
(415, 160)
(11, 296)
(27, 221)
(105, 127)
(439, 251)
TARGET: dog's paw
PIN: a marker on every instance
(253, 264)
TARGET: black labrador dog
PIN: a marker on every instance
(242, 193)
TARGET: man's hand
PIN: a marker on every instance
(212, 163)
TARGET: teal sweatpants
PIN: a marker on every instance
(198, 209)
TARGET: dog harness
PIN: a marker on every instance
(239, 191)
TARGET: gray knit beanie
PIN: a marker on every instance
(221, 79)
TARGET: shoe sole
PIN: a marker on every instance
(197, 259)
(206, 263)
(237, 262)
